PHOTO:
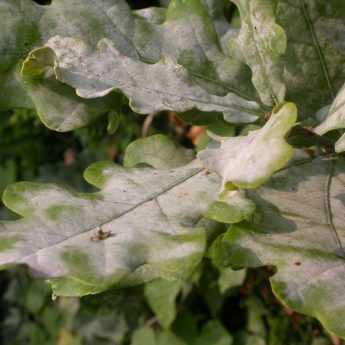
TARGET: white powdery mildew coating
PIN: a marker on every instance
(152, 225)
(250, 160)
(262, 42)
(165, 85)
(335, 120)
(296, 236)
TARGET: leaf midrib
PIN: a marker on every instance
(328, 208)
(131, 85)
(153, 197)
(317, 46)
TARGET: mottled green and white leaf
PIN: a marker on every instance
(165, 85)
(147, 37)
(261, 43)
(26, 25)
(335, 120)
(315, 56)
(231, 207)
(158, 151)
(298, 229)
(150, 218)
(57, 104)
(249, 161)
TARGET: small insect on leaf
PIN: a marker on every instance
(297, 263)
(267, 115)
(100, 235)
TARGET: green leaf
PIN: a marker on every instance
(160, 42)
(315, 56)
(13, 94)
(105, 318)
(261, 43)
(57, 105)
(297, 44)
(114, 121)
(251, 339)
(335, 120)
(229, 278)
(19, 31)
(214, 333)
(161, 295)
(8, 173)
(26, 24)
(249, 161)
(195, 33)
(192, 34)
(158, 151)
(165, 85)
(256, 312)
(157, 40)
(221, 129)
(231, 207)
(320, 341)
(168, 338)
(298, 229)
(144, 336)
(143, 224)
(216, 125)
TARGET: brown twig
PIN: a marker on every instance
(147, 124)
(335, 340)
